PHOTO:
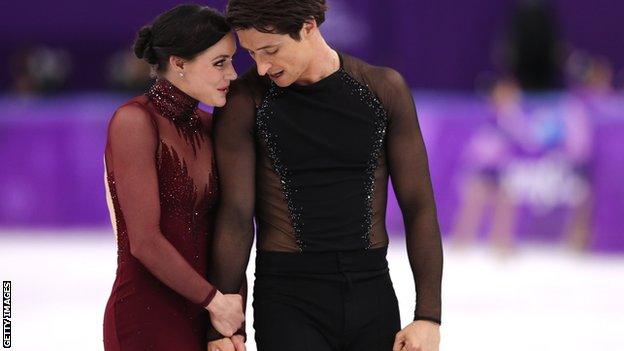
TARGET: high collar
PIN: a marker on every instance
(172, 103)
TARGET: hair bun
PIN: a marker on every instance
(144, 47)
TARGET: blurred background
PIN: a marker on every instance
(521, 105)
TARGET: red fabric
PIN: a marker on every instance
(163, 186)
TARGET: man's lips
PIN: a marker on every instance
(276, 75)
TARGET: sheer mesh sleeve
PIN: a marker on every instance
(409, 172)
(235, 154)
(130, 158)
(243, 292)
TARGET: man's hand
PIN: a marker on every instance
(226, 313)
(239, 342)
(418, 336)
(224, 344)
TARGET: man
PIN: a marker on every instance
(306, 144)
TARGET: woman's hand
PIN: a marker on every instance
(224, 344)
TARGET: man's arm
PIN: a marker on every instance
(235, 156)
(409, 171)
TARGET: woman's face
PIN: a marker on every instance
(207, 76)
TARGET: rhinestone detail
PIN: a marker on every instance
(289, 188)
(380, 125)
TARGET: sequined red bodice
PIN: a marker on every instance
(187, 178)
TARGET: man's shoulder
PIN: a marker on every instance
(373, 75)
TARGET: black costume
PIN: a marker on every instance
(311, 162)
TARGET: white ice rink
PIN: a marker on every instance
(537, 299)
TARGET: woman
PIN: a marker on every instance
(162, 184)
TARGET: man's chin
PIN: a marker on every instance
(281, 82)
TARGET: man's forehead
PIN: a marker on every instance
(252, 39)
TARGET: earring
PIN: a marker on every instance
(181, 75)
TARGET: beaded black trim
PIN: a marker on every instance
(289, 188)
(378, 137)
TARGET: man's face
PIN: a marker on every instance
(279, 56)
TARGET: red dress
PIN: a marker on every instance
(162, 183)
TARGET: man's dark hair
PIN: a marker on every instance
(275, 16)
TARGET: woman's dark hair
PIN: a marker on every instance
(275, 16)
(184, 31)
